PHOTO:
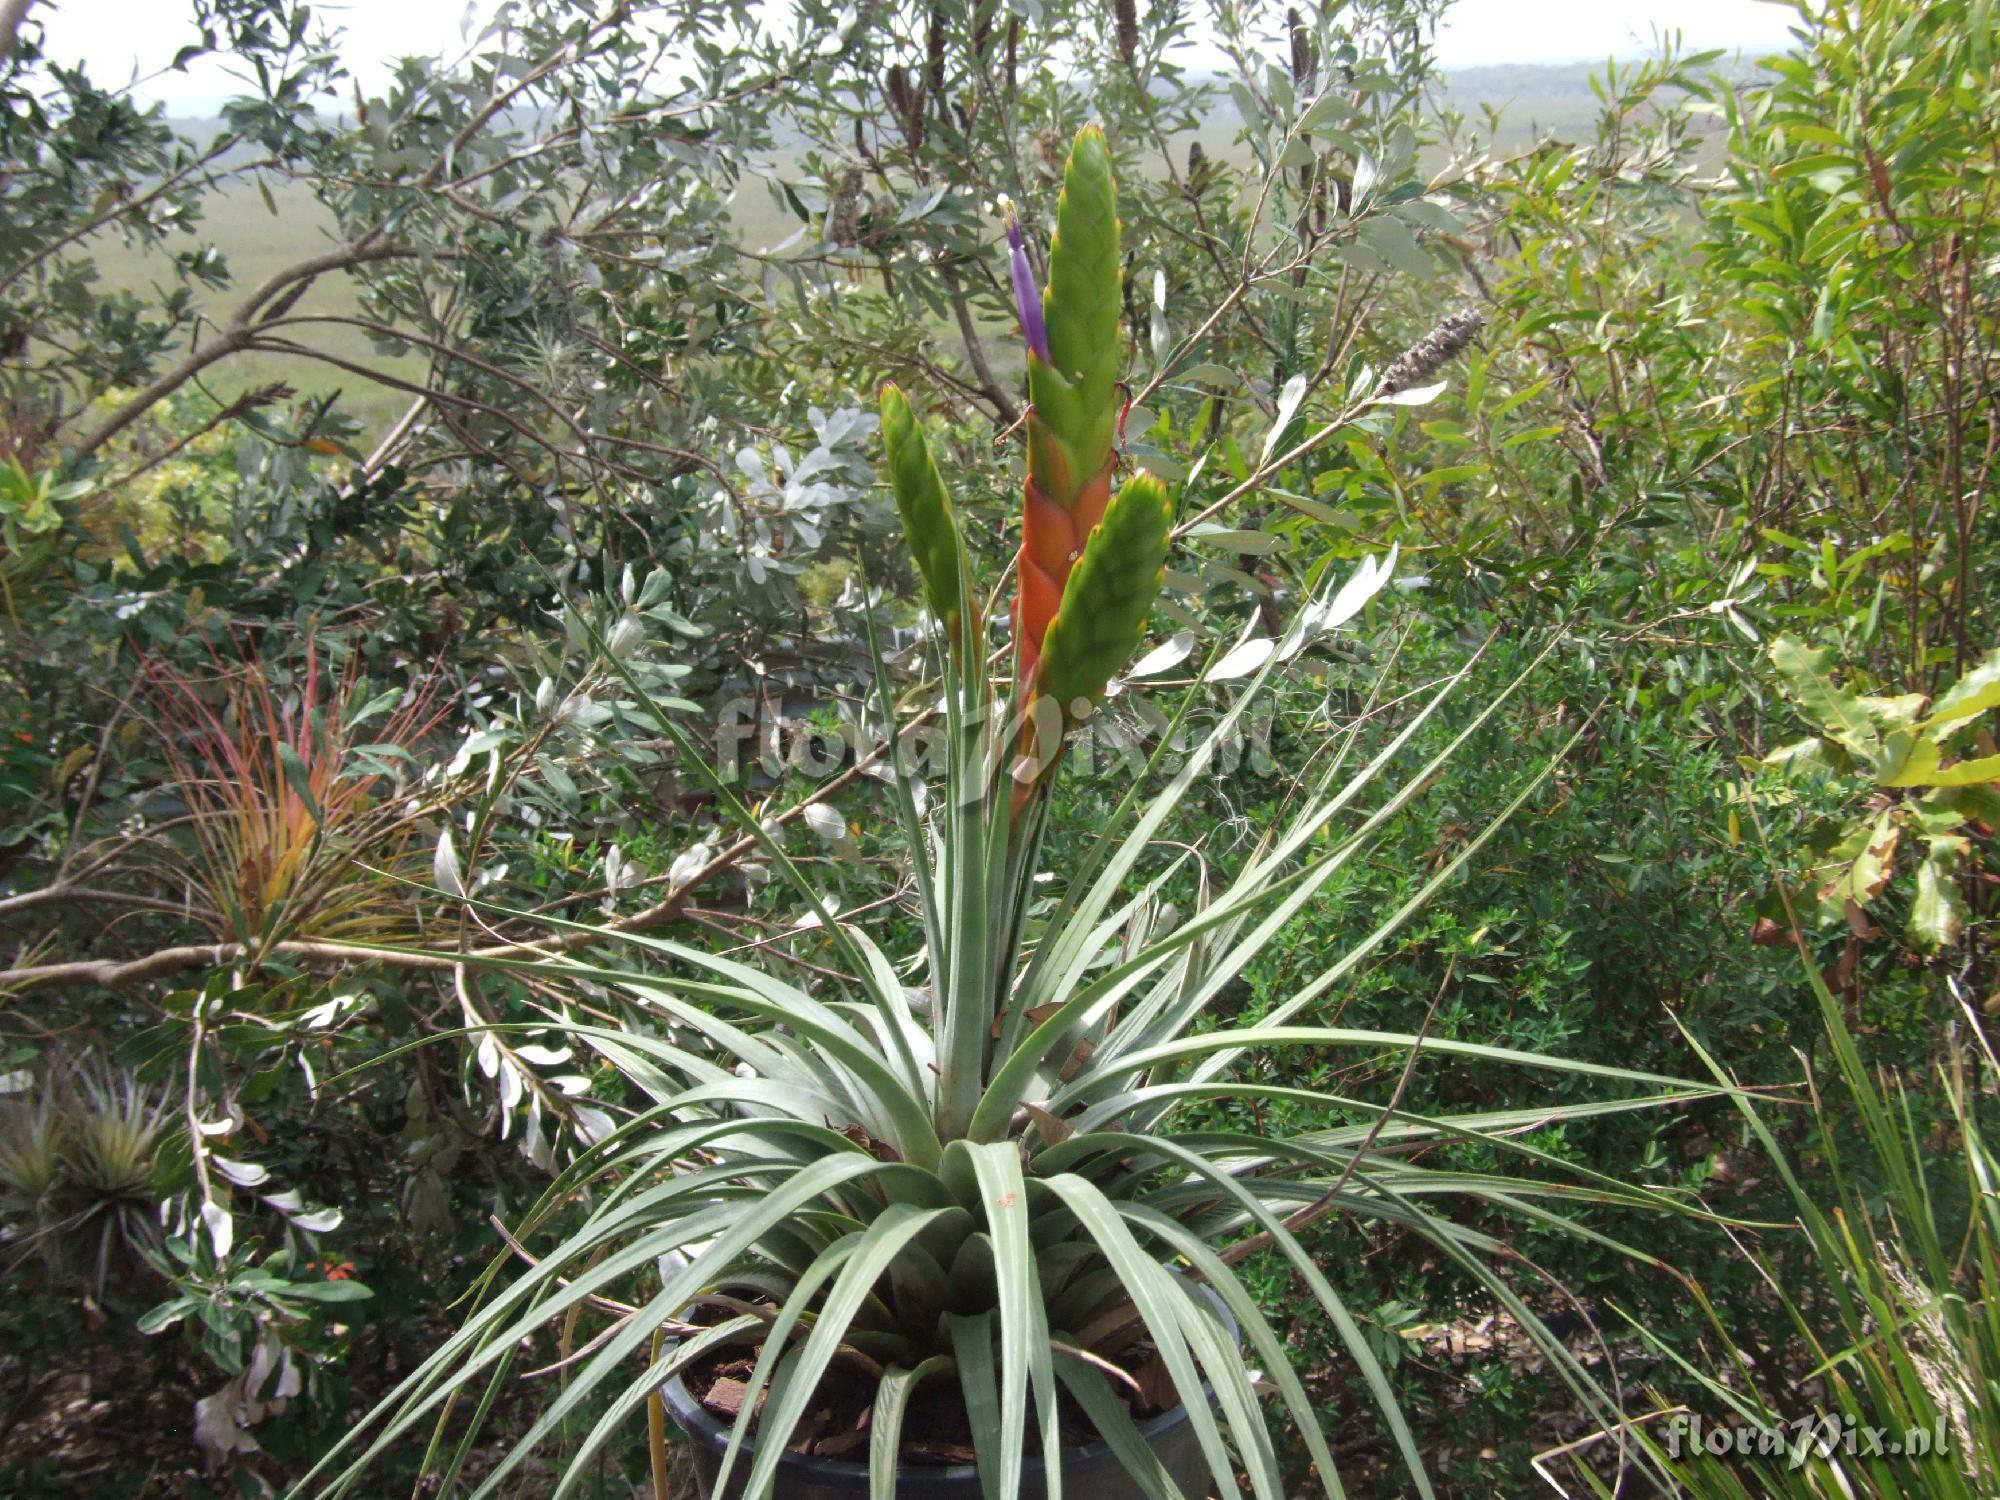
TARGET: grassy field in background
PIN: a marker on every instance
(259, 238)
(257, 243)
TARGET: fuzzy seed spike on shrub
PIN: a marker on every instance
(1450, 338)
(928, 522)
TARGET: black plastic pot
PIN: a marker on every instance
(1092, 1472)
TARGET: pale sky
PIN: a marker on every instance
(115, 36)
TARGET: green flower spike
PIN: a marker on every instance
(1075, 351)
(1110, 593)
(1090, 563)
(928, 523)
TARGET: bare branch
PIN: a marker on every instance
(12, 14)
(236, 335)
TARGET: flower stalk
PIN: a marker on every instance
(1091, 559)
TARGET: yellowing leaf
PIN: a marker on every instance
(1921, 767)
(1937, 915)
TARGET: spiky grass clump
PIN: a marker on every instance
(76, 1166)
(291, 834)
(31, 1153)
(113, 1125)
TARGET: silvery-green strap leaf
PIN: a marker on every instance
(972, 1351)
(1115, 1425)
(1448, 871)
(905, 1119)
(723, 1231)
(579, 1469)
(1336, 1308)
(885, 1420)
(771, 1358)
(1250, 1038)
(1081, 911)
(873, 1253)
(1151, 1291)
(1271, 1353)
(1024, 1335)
(1229, 1383)
(893, 1006)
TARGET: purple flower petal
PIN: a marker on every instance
(1027, 299)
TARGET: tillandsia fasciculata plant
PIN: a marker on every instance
(1000, 1163)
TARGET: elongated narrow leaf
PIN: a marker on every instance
(885, 1420)
(1024, 1334)
(972, 1352)
(1152, 1296)
(874, 1252)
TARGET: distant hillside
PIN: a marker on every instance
(1541, 99)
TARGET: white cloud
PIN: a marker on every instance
(1476, 32)
(124, 39)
